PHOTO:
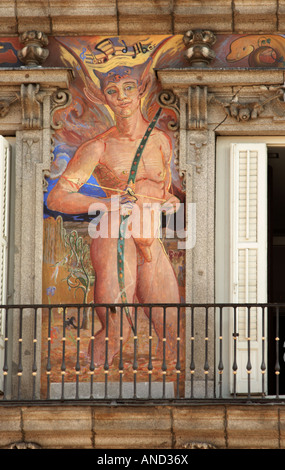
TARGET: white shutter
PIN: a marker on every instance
(248, 254)
(4, 233)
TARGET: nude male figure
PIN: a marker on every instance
(149, 276)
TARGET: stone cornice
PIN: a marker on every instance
(112, 17)
(57, 77)
(182, 78)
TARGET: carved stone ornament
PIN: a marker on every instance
(198, 445)
(29, 142)
(248, 111)
(167, 99)
(197, 141)
(33, 53)
(31, 100)
(6, 102)
(197, 108)
(59, 100)
(199, 47)
(24, 445)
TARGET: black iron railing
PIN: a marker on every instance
(169, 352)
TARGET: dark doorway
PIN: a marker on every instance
(276, 267)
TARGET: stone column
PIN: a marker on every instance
(34, 156)
(195, 161)
(29, 96)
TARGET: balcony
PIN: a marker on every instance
(49, 353)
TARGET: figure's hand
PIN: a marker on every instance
(127, 201)
(171, 205)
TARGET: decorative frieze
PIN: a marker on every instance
(33, 53)
(245, 111)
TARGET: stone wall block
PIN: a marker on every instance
(84, 7)
(203, 14)
(199, 424)
(145, 24)
(50, 427)
(281, 16)
(247, 429)
(255, 17)
(282, 427)
(147, 7)
(132, 427)
(84, 17)
(8, 20)
(34, 14)
(10, 425)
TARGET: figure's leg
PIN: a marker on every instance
(157, 283)
(104, 259)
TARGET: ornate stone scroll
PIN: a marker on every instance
(59, 100)
(168, 99)
(33, 53)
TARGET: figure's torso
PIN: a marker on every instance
(115, 163)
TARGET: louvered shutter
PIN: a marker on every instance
(4, 233)
(249, 255)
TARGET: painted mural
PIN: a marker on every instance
(112, 172)
(113, 184)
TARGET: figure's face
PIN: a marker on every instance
(123, 97)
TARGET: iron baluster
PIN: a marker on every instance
(5, 366)
(92, 366)
(121, 363)
(277, 363)
(63, 366)
(20, 365)
(48, 367)
(106, 364)
(235, 367)
(192, 363)
(206, 365)
(248, 366)
(178, 364)
(150, 366)
(135, 363)
(263, 365)
(221, 365)
(77, 366)
(34, 369)
(164, 366)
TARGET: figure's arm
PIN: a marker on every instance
(64, 197)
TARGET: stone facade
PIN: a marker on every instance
(30, 95)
